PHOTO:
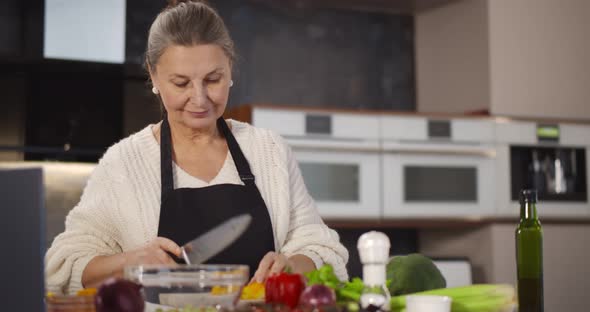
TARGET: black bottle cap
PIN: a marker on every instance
(528, 196)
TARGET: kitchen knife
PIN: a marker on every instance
(215, 240)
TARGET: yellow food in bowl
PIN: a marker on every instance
(253, 291)
(86, 292)
(224, 290)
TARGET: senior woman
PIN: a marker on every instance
(165, 185)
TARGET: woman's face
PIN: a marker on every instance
(193, 83)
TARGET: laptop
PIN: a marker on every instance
(22, 240)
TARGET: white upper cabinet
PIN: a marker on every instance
(318, 124)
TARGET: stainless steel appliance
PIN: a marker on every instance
(552, 158)
(22, 236)
(438, 167)
(338, 154)
(63, 183)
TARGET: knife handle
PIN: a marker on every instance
(175, 258)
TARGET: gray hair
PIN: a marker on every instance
(187, 23)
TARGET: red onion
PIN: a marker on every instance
(317, 295)
(119, 295)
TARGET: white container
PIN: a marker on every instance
(424, 303)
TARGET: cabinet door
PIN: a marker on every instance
(74, 115)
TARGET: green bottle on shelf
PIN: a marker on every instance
(529, 255)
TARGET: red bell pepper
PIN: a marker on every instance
(284, 288)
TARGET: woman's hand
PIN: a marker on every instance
(274, 263)
(155, 252)
(103, 267)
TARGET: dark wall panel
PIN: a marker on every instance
(291, 56)
(21, 29)
(11, 31)
(326, 58)
(74, 105)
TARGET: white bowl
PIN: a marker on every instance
(428, 303)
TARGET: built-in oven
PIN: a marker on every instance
(552, 158)
(338, 154)
(438, 168)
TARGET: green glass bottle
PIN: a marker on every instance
(529, 255)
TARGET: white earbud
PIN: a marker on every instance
(231, 83)
(155, 91)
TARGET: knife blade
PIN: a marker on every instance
(215, 240)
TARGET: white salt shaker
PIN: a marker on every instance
(374, 253)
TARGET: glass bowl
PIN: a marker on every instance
(189, 286)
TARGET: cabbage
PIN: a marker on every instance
(413, 273)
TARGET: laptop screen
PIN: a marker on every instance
(22, 237)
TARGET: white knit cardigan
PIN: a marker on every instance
(120, 206)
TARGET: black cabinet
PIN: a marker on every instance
(74, 110)
(70, 111)
(21, 29)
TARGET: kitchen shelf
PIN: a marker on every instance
(243, 112)
(443, 223)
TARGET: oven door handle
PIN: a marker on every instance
(335, 145)
(440, 149)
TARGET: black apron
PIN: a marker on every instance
(186, 213)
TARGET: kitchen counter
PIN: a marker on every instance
(491, 249)
(446, 223)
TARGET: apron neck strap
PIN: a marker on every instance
(239, 159)
(166, 156)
